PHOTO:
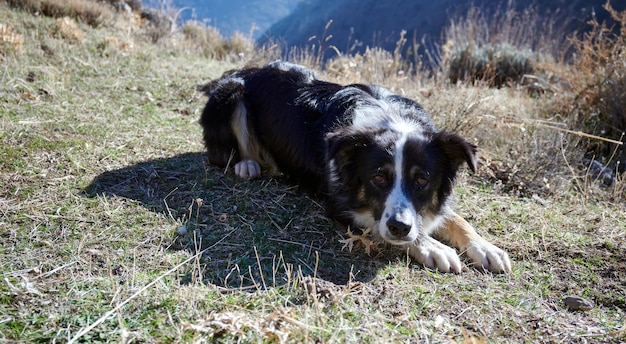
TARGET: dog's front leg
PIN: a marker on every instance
(460, 234)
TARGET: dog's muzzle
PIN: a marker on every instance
(400, 227)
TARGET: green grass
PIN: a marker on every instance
(101, 167)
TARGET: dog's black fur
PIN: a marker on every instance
(374, 156)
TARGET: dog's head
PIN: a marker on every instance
(396, 183)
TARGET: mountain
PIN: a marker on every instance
(357, 24)
(247, 16)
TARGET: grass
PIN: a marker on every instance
(113, 227)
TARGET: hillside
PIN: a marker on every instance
(358, 24)
(114, 227)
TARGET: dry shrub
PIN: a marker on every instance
(241, 44)
(207, 39)
(593, 97)
(210, 42)
(135, 5)
(11, 42)
(112, 45)
(497, 65)
(375, 65)
(87, 11)
(264, 53)
(499, 49)
(586, 77)
(67, 29)
(157, 24)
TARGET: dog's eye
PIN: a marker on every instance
(379, 179)
(421, 182)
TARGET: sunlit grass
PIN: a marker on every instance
(114, 228)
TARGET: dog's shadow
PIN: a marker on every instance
(257, 233)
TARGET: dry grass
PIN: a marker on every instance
(113, 228)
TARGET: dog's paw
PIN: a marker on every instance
(488, 256)
(247, 169)
(435, 255)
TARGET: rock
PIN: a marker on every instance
(575, 303)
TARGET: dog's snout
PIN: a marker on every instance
(399, 227)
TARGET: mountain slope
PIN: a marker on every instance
(358, 24)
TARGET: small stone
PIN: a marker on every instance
(575, 303)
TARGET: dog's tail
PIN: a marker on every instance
(226, 97)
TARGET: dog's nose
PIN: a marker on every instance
(398, 227)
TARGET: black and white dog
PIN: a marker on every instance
(374, 156)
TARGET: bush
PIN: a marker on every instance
(497, 65)
(87, 11)
(11, 42)
(135, 5)
(498, 49)
(212, 44)
(594, 99)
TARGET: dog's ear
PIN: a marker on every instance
(342, 150)
(343, 143)
(457, 150)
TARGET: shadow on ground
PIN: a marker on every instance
(253, 232)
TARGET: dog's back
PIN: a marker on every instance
(260, 114)
(280, 114)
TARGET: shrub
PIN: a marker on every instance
(11, 42)
(66, 28)
(498, 64)
(241, 45)
(209, 41)
(374, 65)
(90, 12)
(498, 50)
(158, 24)
(135, 5)
(594, 98)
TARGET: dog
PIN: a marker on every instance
(375, 157)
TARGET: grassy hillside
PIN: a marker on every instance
(113, 227)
